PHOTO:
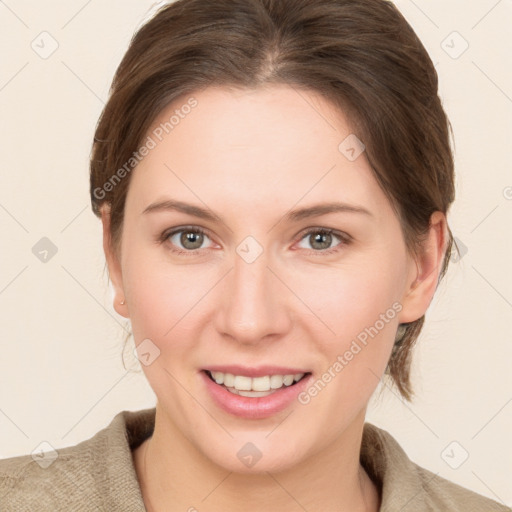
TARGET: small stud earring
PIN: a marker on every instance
(122, 303)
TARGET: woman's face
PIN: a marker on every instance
(274, 283)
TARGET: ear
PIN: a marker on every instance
(425, 270)
(114, 266)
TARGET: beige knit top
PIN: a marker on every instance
(98, 475)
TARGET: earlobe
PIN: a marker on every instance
(428, 264)
(113, 264)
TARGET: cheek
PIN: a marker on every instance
(360, 306)
(349, 298)
(167, 302)
(159, 291)
(148, 292)
(160, 304)
(161, 299)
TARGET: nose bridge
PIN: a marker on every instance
(252, 305)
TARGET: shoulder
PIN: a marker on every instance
(445, 495)
(407, 486)
(96, 473)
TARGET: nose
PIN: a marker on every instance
(253, 303)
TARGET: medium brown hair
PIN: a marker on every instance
(361, 55)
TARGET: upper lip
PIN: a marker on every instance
(255, 371)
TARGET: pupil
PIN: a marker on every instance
(322, 238)
(195, 239)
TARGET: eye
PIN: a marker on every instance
(185, 239)
(321, 239)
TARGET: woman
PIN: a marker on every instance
(273, 179)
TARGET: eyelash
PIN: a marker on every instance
(191, 229)
(345, 239)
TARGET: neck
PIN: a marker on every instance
(175, 476)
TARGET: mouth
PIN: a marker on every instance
(256, 386)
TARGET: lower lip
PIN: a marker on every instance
(257, 407)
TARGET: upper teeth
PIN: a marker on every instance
(266, 383)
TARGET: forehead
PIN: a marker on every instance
(276, 144)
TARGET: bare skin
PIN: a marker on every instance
(251, 157)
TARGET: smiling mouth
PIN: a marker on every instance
(254, 386)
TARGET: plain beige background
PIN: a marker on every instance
(61, 375)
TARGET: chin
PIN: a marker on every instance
(255, 453)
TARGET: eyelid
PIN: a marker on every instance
(165, 236)
(322, 229)
(345, 239)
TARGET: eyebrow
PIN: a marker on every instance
(323, 209)
(293, 215)
(180, 206)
